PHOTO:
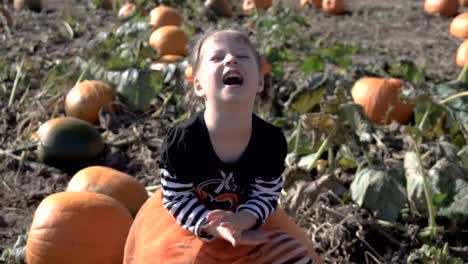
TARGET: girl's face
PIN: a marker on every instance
(228, 71)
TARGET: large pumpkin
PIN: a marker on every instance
(116, 184)
(165, 16)
(249, 5)
(68, 143)
(335, 7)
(85, 100)
(462, 54)
(78, 228)
(169, 40)
(459, 26)
(380, 99)
(446, 8)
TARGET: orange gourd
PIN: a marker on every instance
(165, 16)
(459, 26)
(116, 184)
(462, 54)
(189, 73)
(127, 10)
(379, 98)
(249, 5)
(169, 40)
(335, 7)
(85, 100)
(78, 228)
(314, 3)
(446, 8)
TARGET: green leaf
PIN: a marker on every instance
(280, 122)
(339, 54)
(347, 163)
(407, 70)
(379, 191)
(304, 100)
(458, 107)
(414, 184)
(313, 63)
(352, 115)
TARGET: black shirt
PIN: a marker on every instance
(195, 181)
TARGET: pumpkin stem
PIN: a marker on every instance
(455, 96)
(463, 77)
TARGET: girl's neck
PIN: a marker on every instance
(228, 122)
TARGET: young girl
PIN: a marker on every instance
(221, 173)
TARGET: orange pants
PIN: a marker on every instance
(156, 237)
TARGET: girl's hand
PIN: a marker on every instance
(236, 221)
(253, 237)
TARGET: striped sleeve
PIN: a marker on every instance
(263, 198)
(266, 188)
(177, 185)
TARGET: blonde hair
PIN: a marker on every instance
(236, 35)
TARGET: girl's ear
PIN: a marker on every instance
(198, 88)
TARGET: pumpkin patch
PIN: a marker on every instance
(371, 97)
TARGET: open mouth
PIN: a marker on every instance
(232, 78)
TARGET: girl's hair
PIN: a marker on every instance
(235, 35)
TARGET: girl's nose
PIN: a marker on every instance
(229, 59)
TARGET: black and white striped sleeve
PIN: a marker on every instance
(266, 188)
(177, 186)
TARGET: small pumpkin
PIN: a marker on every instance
(462, 54)
(249, 5)
(165, 16)
(169, 40)
(219, 7)
(127, 10)
(446, 8)
(189, 73)
(380, 100)
(314, 3)
(68, 143)
(116, 184)
(78, 228)
(5, 14)
(85, 100)
(459, 26)
(335, 7)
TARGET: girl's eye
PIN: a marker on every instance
(243, 57)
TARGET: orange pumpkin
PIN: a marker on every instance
(462, 54)
(464, 2)
(85, 100)
(220, 7)
(169, 40)
(314, 3)
(459, 26)
(78, 228)
(335, 7)
(380, 99)
(446, 8)
(4, 13)
(116, 184)
(249, 5)
(189, 73)
(165, 16)
(127, 10)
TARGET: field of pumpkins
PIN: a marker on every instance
(371, 95)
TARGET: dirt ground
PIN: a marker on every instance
(383, 30)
